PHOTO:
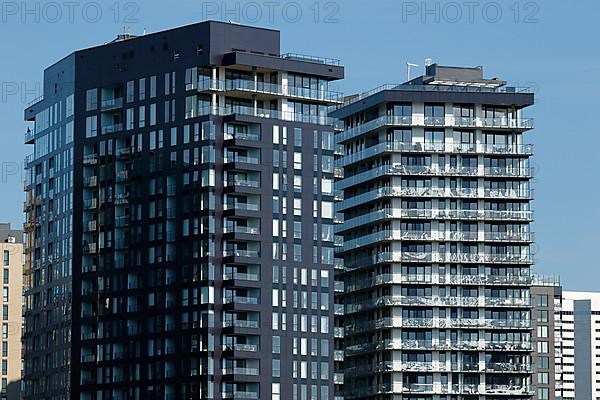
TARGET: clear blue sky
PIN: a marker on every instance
(551, 43)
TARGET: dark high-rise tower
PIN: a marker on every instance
(180, 221)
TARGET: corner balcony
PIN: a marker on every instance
(30, 136)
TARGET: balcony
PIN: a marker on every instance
(437, 301)
(241, 323)
(232, 160)
(113, 128)
(266, 113)
(30, 136)
(508, 367)
(428, 170)
(91, 226)
(432, 192)
(241, 371)
(361, 261)
(111, 104)
(90, 181)
(122, 176)
(228, 276)
(90, 159)
(430, 323)
(243, 183)
(90, 204)
(242, 395)
(90, 248)
(241, 253)
(385, 121)
(252, 348)
(247, 88)
(240, 229)
(241, 300)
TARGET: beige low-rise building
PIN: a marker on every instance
(11, 248)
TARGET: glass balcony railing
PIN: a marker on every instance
(269, 114)
(242, 159)
(253, 348)
(508, 367)
(438, 301)
(242, 206)
(375, 216)
(244, 85)
(241, 276)
(433, 192)
(242, 395)
(427, 170)
(399, 278)
(241, 323)
(113, 128)
(241, 300)
(241, 371)
(389, 235)
(430, 121)
(111, 104)
(241, 253)
(250, 183)
(250, 230)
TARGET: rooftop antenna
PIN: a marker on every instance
(144, 31)
(408, 66)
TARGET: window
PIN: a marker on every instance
(542, 331)
(324, 324)
(6, 258)
(542, 316)
(542, 377)
(542, 347)
(91, 100)
(142, 117)
(152, 86)
(5, 312)
(543, 393)
(327, 140)
(5, 294)
(130, 91)
(542, 300)
(298, 137)
(276, 368)
(276, 344)
(142, 89)
(91, 126)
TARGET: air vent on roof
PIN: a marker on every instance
(124, 36)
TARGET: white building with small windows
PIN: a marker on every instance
(578, 368)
